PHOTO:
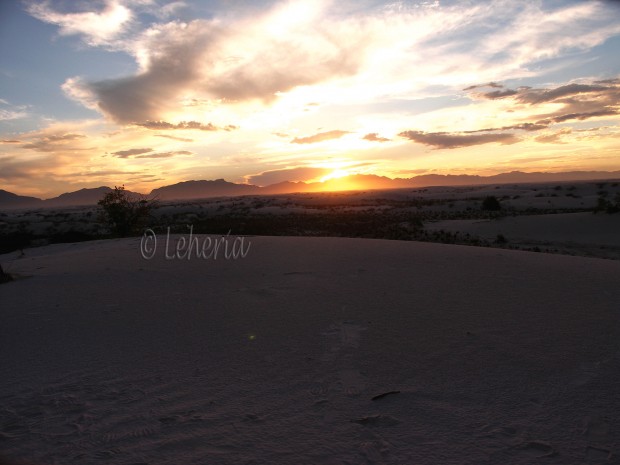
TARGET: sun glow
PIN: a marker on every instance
(338, 173)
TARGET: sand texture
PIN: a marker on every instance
(309, 351)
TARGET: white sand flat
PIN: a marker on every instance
(490, 356)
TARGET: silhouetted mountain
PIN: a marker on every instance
(512, 177)
(83, 197)
(286, 187)
(518, 176)
(10, 200)
(221, 188)
(203, 189)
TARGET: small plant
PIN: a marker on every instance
(500, 239)
(490, 203)
(4, 277)
(122, 214)
(607, 206)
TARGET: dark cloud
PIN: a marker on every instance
(320, 137)
(445, 140)
(5, 141)
(582, 116)
(533, 96)
(494, 85)
(499, 94)
(195, 125)
(289, 174)
(577, 102)
(374, 137)
(130, 152)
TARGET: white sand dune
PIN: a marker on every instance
(486, 356)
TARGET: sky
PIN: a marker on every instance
(148, 93)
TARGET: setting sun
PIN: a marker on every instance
(339, 173)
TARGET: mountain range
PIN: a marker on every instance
(220, 188)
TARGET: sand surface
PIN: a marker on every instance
(491, 356)
(582, 233)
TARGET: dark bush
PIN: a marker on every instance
(4, 277)
(490, 203)
(124, 215)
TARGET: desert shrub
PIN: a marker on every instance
(607, 206)
(123, 214)
(490, 203)
(4, 277)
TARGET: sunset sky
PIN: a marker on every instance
(149, 92)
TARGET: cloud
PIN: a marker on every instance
(148, 153)
(373, 137)
(289, 174)
(195, 125)
(497, 94)
(224, 59)
(582, 116)
(130, 152)
(320, 137)
(54, 142)
(328, 52)
(444, 140)
(166, 154)
(489, 84)
(532, 96)
(98, 28)
(553, 138)
(180, 139)
(519, 127)
(574, 101)
(10, 112)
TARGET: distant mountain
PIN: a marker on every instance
(221, 188)
(10, 200)
(518, 176)
(286, 187)
(81, 197)
(203, 189)
(69, 199)
(507, 178)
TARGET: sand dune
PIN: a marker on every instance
(485, 356)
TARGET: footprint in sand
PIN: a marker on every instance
(598, 454)
(596, 429)
(534, 449)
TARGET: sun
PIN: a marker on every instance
(338, 173)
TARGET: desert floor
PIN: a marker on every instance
(485, 355)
